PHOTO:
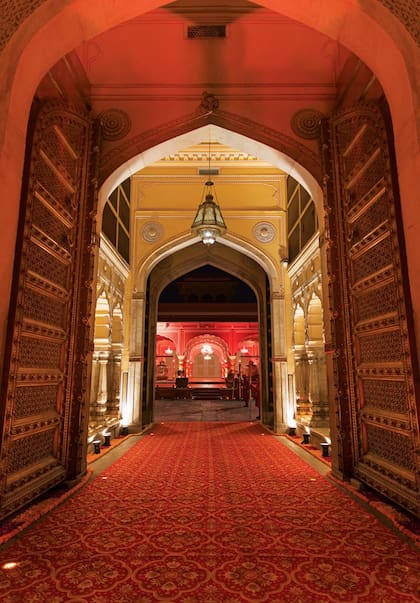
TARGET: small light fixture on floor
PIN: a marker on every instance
(208, 223)
(291, 427)
(107, 438)
(306, 438)
(325, 449)
(96, 446)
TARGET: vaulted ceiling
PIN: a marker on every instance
(162, 62)
(236, 64)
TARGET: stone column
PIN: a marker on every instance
(181, 359)
(113, 407)
(133, 410)
(318, 388)
(102, 394)
(94, 392)
(133, 407)
(303, 404)
(279, 360)
(282, 410)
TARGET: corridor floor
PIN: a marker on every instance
(209, 512)
(204, 410)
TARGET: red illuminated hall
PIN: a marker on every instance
(210, 277)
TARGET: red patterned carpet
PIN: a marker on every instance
(209, 513)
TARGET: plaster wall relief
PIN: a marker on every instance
(308, 339)
(105, 397)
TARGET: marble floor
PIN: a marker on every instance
(204, 410)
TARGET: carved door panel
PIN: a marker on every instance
(375, 364)
(44, 392)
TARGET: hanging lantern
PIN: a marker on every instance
(208, 223)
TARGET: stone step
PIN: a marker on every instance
(208, 393)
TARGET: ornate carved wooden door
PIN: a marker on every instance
(374, 364)
(44, 402)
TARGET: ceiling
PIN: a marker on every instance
(267, 67)
(264, 81)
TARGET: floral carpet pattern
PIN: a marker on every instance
(209, 513)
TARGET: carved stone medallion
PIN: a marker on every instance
(116, 124)
(152, 232)
(264, 232)
(306, 123)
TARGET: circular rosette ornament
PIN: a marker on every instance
(264, 232)
(152, 232)
(306, 123)
(115, 124)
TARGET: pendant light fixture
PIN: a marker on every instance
(208, 223)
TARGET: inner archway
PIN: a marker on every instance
(207, 331)
(208, 315)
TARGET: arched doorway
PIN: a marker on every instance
(209, 316)
(232, 262)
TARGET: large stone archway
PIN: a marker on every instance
(144, 307)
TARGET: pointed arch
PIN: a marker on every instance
(299, 337)
(218, 258)
(315, 320)
(103, 321)
(273, 146)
